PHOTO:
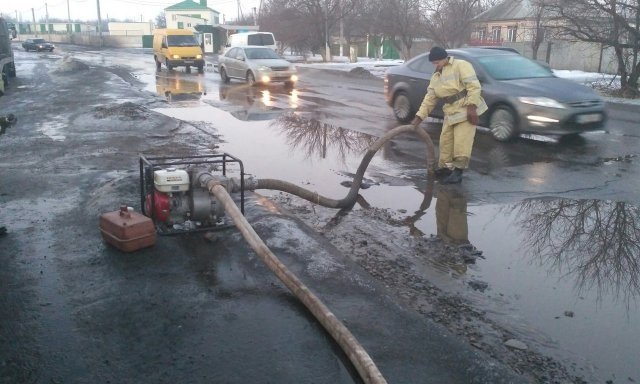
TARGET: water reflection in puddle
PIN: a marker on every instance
(569, 267)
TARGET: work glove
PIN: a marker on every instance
(416, 121)
(472, 114)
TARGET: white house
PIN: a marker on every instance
(188, 14)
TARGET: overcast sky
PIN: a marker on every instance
(137, 10)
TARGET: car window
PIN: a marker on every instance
(38, 41)
(511, 67)
(261, 53)
(260, 39)
(182, 41)
(231, 53)
(422, 65)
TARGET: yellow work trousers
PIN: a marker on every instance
(456, 142)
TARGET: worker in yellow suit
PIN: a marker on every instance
(455, 83)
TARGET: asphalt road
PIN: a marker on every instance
(75, 310)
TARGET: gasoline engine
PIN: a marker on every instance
(174, 191)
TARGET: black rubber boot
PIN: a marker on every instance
(454, 178)
(442, 172)
(3, 230)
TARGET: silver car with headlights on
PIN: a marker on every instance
(523, 95)
(256, 65)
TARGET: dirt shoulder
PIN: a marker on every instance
(394, 252)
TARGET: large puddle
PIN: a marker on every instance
(563, 275)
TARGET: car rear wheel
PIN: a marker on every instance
(503, 124)
(223, 75)
(251, 79)
(402, 107)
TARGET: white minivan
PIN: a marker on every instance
(243, 39)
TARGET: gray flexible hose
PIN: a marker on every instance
(350, 200)
(357, 354)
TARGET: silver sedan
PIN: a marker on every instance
(256, 65)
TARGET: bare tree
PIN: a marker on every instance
(161, 20)
(448, 23)
(612, 23)
(539, 25)
(313, 21)
(402, 23)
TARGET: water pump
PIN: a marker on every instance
(174, 193)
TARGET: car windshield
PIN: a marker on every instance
(38, 41)
(181, 41)
(512, 67)
(261, 53)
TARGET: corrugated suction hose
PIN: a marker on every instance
(350, 200)
(358, 356)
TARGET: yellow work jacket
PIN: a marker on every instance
(456, 76)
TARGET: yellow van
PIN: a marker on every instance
(177, 48)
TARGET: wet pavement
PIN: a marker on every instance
(556, 223)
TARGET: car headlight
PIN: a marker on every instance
(198, 56)
(542, 102)
(176, 56)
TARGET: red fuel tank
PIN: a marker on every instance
(128, 231)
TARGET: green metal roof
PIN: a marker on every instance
(189, 5)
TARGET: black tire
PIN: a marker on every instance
(187, 69)
(503, 123)
(12, 70)
(402, 108)
(200, 68)
(223, 75)
(158, 63)
(251, 79)
(169, 66)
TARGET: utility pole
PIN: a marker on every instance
(69, 27)
(35, 28)
(327, 50)
(99, 23)
(341, 29)
(46, 19)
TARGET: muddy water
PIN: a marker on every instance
(561, 275)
